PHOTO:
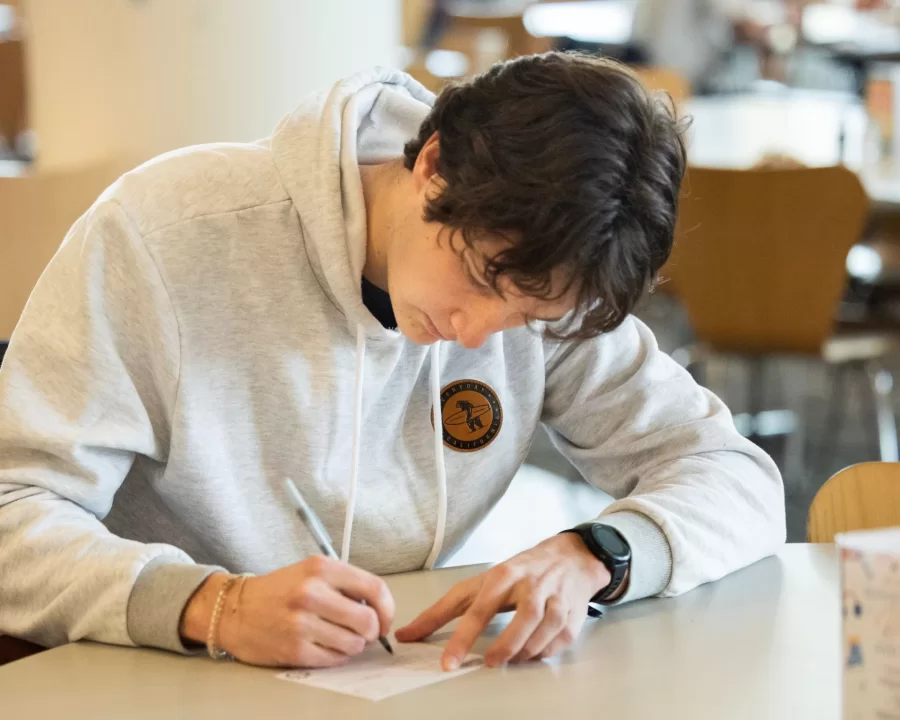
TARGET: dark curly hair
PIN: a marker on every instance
(569, 157)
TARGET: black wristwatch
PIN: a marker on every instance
(610, 548)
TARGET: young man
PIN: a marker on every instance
(306, 307)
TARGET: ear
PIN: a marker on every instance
(425, 170)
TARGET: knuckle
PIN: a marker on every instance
(302, 657)
(305, 595)
(301, 626)
(480, 613)
(501, 653)
(317, 565)
(531, 609)
(356, 645)
(381, 593)
(387, 600)
(555, 614)
(369, 625)
(503, 573)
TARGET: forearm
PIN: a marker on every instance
(694, 498)
(718, 512)
(63, 575)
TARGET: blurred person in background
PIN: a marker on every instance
(439, 18)
(694, 37)
(436, 24)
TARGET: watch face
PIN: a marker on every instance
(611, 541)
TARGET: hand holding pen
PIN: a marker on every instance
(320, 534)
(316, 613)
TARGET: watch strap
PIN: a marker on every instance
(617, 570)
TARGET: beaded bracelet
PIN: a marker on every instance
(214, 652)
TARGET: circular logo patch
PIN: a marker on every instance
(471, 413)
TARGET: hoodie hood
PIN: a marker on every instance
(363, 120)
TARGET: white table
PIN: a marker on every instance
(734, 131)
(605, 22)
(842, 27)
(7, 20)
(762, 643)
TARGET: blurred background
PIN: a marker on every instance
(782, 295)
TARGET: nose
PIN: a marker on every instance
(472, 329)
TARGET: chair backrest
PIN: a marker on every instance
(36, 212)
(759, 258)
(13, 97)
(860, 497)
(670, 81)
(518, 40)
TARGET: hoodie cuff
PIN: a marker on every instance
(158, 599)
(651, 556)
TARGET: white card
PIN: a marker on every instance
(870, 584)
(376, 674)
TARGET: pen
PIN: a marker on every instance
(315, 526)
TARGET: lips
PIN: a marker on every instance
(431, 328)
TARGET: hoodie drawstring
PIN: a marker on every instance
(357, 431)
(438, 449)
(438, 456)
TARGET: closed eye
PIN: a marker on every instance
(479, 284)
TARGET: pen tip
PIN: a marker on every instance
(386, 645)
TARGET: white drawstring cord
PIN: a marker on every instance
(438, 450)
(357, 432)
(438, 456)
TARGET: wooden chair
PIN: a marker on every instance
(466, 23)
(36, 212)
(759, 264)
(861, 497)
(13, 105)
(759, 255)
(471, 20)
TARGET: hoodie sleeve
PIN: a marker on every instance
(87, 388)
(694, 498)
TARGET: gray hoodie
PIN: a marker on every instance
(200, 336)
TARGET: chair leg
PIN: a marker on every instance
(834, 415)
(795, 450)
(882, 382)
(755, 389)
(795, 444)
